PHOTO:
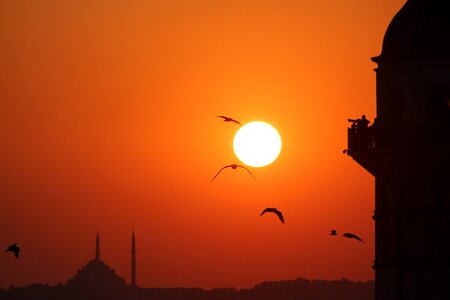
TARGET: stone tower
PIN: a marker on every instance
(97, 247)
(133, 260)
(407, 149)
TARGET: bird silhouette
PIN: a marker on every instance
(228, 119)
(14, 249)
(333, 232)
(234, 167)
(275, 211)
(352, 236)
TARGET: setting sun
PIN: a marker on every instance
(257, 144)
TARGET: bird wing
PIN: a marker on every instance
(219, 172)
(264, 211)
(10, 248)
(280, 215)
(248, 171)
(16, 252)
(228, 119)
(237, 122)
(352, 236)
(358, 238)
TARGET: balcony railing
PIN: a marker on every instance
(365, 137)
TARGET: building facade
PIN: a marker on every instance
(407, 149)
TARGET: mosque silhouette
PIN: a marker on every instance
(97, 275)
(97, 281)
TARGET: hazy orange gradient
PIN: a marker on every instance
(108, 121)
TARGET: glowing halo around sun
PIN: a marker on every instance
(257, 144)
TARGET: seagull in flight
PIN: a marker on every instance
(275, 211)
(333, 232)
(14, 249)
(228, 119)
(352, 236)
(234, 167)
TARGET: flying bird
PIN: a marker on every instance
(228, 119)
(234, 167)
(352, 236)
(14, 249)
(333, 232)
(275, 211)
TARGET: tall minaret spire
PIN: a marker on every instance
(97, 247)
(133, 260)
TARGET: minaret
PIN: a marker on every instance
(97, 248)
(133, 260)
(407, 150)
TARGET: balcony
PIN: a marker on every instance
(363, 137)
(376, 147)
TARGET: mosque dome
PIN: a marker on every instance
(420, 30)
(96, 275)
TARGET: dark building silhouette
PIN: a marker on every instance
(97, 276)
(133, 260)
(97, 281)
(300, 288)
(407, 149)
(97, 247)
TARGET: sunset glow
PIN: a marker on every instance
(257, 144)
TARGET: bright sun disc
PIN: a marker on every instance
(257, 144)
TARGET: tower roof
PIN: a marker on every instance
(97, 247)
(420, 30)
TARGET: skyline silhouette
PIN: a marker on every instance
(97, 280)
(269, 290)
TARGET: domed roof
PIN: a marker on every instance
(421, 29)
(96, 275)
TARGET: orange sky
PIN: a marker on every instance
(107, 120)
